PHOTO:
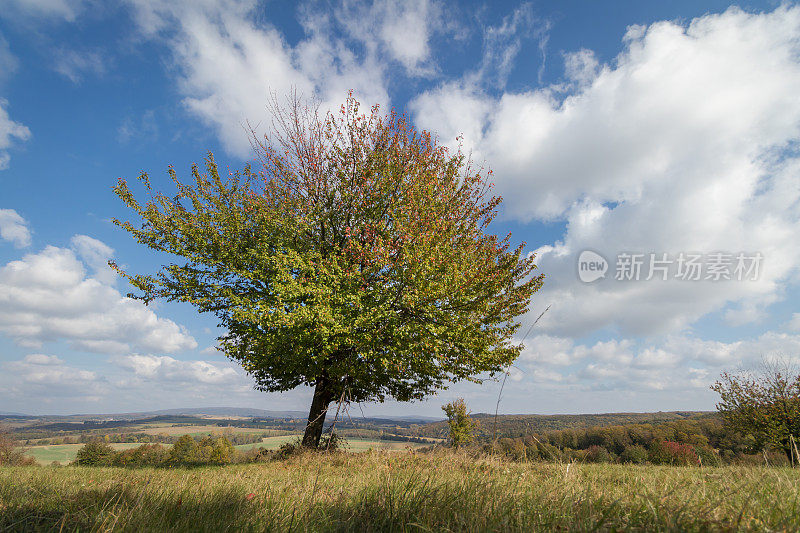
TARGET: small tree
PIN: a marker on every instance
(355, 259)
(11, 453)
(462, 426)
(185, 451)
(95, 453)
(763, 406)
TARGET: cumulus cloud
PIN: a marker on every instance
(10, 132)
(14, 228)
(229, 64)
(46, 380)
(676, 363)
(684, 143)
(50, 296)
(165, 368)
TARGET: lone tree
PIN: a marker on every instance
(765, 406)
(353, 256)
(461, 425)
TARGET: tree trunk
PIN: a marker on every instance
(316, 416)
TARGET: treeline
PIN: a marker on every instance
(512, 426)
(186, 451)
(698, 441)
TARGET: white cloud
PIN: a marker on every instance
(74, 65)
(48, 370)
(581, 66)
(165, 368)
(96, 255)
(9, 131)
(14, 228)
(684, 143)
(229, 64)
(48, 296)
(677, 363)
(392, 30)
(794, 323)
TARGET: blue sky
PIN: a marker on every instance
(632, 127)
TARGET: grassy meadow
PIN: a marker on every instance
(380, 491)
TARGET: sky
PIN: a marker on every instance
(648, 153)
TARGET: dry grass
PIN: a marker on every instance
(400, 492)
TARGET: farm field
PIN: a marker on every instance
(65, 453)
(401, 491)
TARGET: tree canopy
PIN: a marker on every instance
(352, 256)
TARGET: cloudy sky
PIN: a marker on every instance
(664, 137)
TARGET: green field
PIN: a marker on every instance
(401, 492)
(65, 453)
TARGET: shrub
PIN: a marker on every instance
(634, 454)
(707, 456)
(95, 453)
(665, 452)
(144, 455)
(185, 451)
(289, 449)
(332, 442)
(597, 454)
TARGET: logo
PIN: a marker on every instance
(591, 266)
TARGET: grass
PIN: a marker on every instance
(380, 491)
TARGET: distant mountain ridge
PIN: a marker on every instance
(244, 412)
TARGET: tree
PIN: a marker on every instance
(95, 453)
(185, 451)
(354, 257)
(11, 453)
(763, 406)
(462, 426)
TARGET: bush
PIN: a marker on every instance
(185, 451)
(332, 442)
(597, 454)
(665, 452)
(144, 455)
(634, 455)
(707, 456)
(95, 453)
